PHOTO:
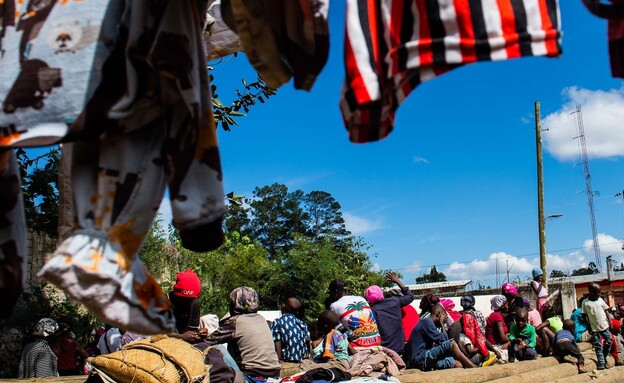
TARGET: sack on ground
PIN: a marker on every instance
(159, 359)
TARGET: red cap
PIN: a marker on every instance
(187, 284)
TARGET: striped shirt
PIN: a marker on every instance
(391, 46)
(38, 360)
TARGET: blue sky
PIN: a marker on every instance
(454, 185)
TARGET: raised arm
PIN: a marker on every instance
(407, 297)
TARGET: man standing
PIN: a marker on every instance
(355, 315)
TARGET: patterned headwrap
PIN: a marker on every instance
(467, 302)
(45, 327)
(243, 300)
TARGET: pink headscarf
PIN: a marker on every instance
(449, 305)
(374, 294)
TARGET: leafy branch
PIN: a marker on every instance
(257, 91)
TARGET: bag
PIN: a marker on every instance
(159, 359)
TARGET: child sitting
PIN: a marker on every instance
(429, 346)
(290, 333)
(334, 347)
(522, 338)
(594, 311)
(547, 330)
(564, 344)
(316, 340)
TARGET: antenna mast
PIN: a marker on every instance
(588, 186)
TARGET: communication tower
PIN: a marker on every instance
(588, 186)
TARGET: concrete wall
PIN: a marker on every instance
(565, 303)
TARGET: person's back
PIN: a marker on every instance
(293, 335)
(38, 360)
(387, 312)
(424, 336)
(253, 348)
(65, 351)
(355, 314)
(410, 319)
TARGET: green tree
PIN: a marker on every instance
(39, 178)
(557, 274)
(238, 219)
(433, 276)
(591, 268)
(311, 264)
(277, 216)
(324, 218)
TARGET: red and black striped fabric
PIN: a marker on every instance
(613, 10)
(391, 46)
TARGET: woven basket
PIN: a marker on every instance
(159, 359)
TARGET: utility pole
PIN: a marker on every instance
(621, 194)
(540, 192)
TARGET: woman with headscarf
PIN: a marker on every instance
(248, 337)
(496, 331)
(514, 302)
(38, 359)
(467, 302)
(387, 312)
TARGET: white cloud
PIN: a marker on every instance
(520, 268)
(486, 269)
(375, 267)
(603, 113)
(609, 245)
(420, 160)
(360, 225)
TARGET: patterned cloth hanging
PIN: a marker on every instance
(139, 117)
(391, 46)
(614, 12)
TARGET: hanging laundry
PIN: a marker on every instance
(146, 124)
(220, 40)
(50, 54)
(282, 39)
(614, 12)
(391, 46)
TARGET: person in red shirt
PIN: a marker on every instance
(67, 351)
(496, 331)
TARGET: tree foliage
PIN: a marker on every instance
(274, 215)
(294, 256)
(433, 276)
(39, 185)
(591, 268)
(558, 274)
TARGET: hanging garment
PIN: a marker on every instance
(393, 46)
(51, 53)
(13, 259)
(220, 40)
(164, 136)
(282, 38)
(145, 125)
(614, 12)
